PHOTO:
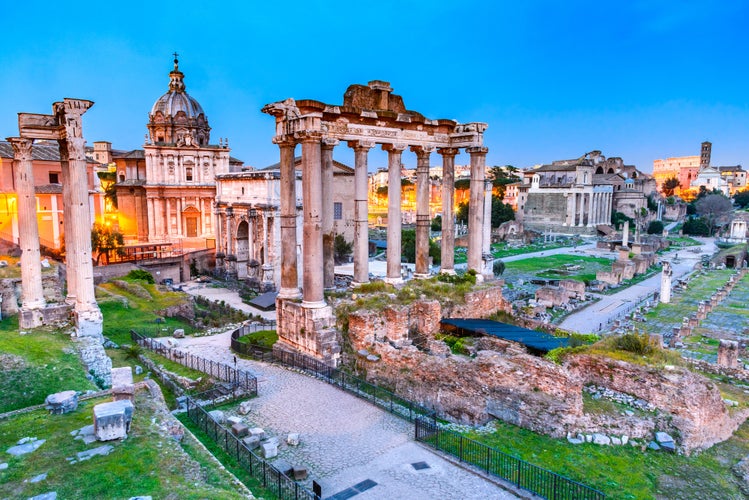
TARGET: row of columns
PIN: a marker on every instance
(589, 209)
(160, 215)
(317, 185)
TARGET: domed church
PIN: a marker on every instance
(171, 199)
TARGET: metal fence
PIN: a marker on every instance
(361, 388)
(519, 472)
(271, 478)
(240, 379)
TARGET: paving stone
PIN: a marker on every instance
(103, 451)
(52, 495)
(39, 478)
(25, 447)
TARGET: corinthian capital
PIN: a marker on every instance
(395, 148)
(448, 151)
(477, 150)
(308, 136)
(21, 148)
(359, 145)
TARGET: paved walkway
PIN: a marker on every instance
(209, 291)
(617, 305)
(345, 440)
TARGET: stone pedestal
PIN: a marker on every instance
(122, 383)
(62, 402)
(728, 354)
(112, 420)
(307, 330)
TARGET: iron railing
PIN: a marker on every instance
(536, 479)
(243, 381)
(282, 486)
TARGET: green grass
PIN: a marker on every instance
(626, 472)
(263, 338)
(146, 463)
(44, 362)
(552, 266)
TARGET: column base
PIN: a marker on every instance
(89, 323)
(421, 276)
(393, 281)
(307, 330)
(354, 284)
(30, 318)
(290, 293)
(318, 304)
(448, 271)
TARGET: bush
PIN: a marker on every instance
(635, 343)
(498, 268)
(140, 275)
(655, 227)
(695, 227)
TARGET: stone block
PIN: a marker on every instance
(244, 408)
(258, 433)
(653, 446)
(62, 402)
(138, 369)
(251, 442)
(112, 420)
(601, 439)
(240, 430)
(122, 383)
(663, 437)
(292, 439)
(669, 446)
(179, 333)
(616, 441)
(218, 416)
(269, 450)
(572, 440)
(299, 473)
(233, 420)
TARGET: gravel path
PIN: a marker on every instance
(345, 440)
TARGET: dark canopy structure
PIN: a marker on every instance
(535, 341)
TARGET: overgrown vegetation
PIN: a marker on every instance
(262, 338)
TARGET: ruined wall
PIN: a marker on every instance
(695, 404)
(307, 330)
(479, 304)
(10, 293)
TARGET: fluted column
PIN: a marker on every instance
(448, 208)
(32, 292)
(593, 217)
(581, 209)
(476, 207)
(422, 210)
(361, 211)
(70, 260)
(328, 233)
(312, 203)
(289, 276)
(486, 247)
(88, 315)
(395, 152)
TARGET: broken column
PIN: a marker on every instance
(666, 273)
(476, 208)
(728, 353)
(32, 295)
(625, 235)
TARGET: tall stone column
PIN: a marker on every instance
(328, 233)
(361, 211)
(476, 207)
(395, 152)
(422, 210)
(486, 248)
(78, 220)
(448, 207)
(312, 203)
(289, 276)
(571, 207)
(593, 209)
(70, 260)
(32, 293)
(665, 296)
(581, 209)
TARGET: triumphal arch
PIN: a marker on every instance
(370, 115)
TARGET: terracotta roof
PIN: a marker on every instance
(135, 154)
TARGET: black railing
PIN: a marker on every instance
(242, 381)
(282, 486)
(519, 472)
(361, 388)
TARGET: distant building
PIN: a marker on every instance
(48, 186)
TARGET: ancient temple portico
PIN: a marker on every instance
(65, 127)
(370, 115)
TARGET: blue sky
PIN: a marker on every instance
(636, 79)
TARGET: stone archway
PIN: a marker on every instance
(242, 241)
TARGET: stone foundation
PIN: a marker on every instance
(308, 330)
(93, 355)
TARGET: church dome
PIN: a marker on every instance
(176, 117)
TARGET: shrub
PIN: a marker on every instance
(635, 343)
(655, 227)
(140, 275)
(499, 268)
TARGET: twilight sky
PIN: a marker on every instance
(639, 79)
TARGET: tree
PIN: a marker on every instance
(741, 198)
(655, 227)
(408, 247)
(499, 267)
(669, 185)
(461, 214)
(341, 249)
(695, 227)
(501, 176)
(437, 223)
(501, 212)
(714, 210)
(104, 240)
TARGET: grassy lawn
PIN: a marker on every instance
(35, 365)
(626, 472)
(264, 338)
(553, 266)
(148, 462)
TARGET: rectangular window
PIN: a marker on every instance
(54, 178)
(188, 174)
(337, 210)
